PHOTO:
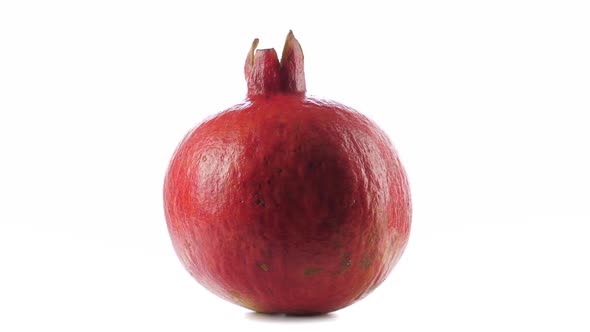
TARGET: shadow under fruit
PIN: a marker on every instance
(287, 203)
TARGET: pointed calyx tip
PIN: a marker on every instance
(265, 75)
(250, 58)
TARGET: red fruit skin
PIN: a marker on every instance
(287, 203)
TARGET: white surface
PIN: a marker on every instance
(487, 103)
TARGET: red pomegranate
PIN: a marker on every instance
(286, 203)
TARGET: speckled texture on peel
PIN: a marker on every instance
(288, 204)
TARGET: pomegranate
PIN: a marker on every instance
(287, 203)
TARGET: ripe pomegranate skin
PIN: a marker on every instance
(287, 203)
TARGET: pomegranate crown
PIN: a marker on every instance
(265, 75)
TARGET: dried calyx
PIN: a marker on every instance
(265, 75)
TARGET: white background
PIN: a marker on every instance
(487, 103)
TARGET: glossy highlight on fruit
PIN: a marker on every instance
(287, 203)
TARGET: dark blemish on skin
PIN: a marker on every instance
(279, 170)
(204, 158)
(259, 200)
(367, 260)
(312, 270)
(263, 267)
